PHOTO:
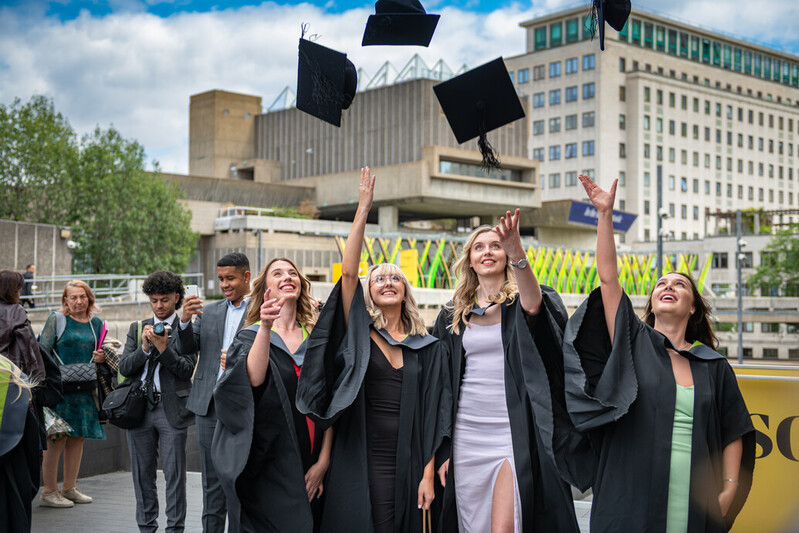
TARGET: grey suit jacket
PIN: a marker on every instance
(205, 335)
(175, 373)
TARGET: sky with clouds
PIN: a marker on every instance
(134, 64)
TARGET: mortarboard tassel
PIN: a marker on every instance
(490, 157)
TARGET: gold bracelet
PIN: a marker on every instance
(731, 481)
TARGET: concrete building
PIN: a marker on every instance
(718, 115)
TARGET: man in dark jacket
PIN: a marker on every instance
(155, 359)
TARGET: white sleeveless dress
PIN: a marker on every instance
(482, 439)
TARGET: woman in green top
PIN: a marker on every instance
(78, 343)
(673, 438)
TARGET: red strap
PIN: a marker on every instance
(307, 420)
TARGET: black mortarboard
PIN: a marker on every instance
(326, 82)
(399, 22)
(614, 12)
(479, 101)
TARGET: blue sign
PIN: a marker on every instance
(586, 214)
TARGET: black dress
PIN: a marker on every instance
(383, 391)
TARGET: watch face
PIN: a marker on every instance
(521, 263)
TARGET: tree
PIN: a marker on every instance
(125, 220)
(779, 263)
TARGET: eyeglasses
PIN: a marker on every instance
(382, 280)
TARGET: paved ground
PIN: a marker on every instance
(113, 509)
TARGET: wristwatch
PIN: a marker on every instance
(520, 264)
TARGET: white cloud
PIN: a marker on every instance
(137, 70)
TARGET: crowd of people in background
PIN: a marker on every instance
(352, 416)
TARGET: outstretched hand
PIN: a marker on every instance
(366, 189)
(270, 309)
(603, 200)
(508, 231)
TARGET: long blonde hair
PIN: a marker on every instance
(412, 321)
(305, 310)
(14, 376)
(76, 283)
(466, 290)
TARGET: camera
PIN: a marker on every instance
(161, 329)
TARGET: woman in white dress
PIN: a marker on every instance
(503, 333)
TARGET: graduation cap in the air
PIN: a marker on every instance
(399, 22)
(326, 82)
(614, 12)
(479, 101)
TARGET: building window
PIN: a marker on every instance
(647, 154)
(570, 150)
(695, 185)
(683, 212)
(571, 122)
(538, 127)
(588, 148)
(684, 184)
(554, 153)
(770, 353)
(589, 62)
(622, 179)
(647, 94)
(622, 65)
(539, 72)
(588, 90)
(571, 65)
(541, 38)
(622, 94)
(554, 69)
(572, 30)
(622, 122)
(571, 93)
(588, 119)
(538, 154)
(554, 180)
(554, 97)
(571, 179)
(672, 185)
(647, 179)
(538, 100)
(646, 207)
(646, 122)
(554, 125)
(622, 151)
(696, 213)
(524, 75)
(719, 260)
(556, 34)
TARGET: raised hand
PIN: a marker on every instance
(366, 189)
(509, 238)
(270, 310)
(602, 200)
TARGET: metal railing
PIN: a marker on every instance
(108, 289)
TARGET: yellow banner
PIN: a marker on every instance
(772, 397)
(409, 264)
(363, 268)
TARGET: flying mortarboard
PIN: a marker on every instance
(326, 82)
(479, 101)
(614, 12)
(399, 22)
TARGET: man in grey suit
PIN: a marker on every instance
(214, 328)
(165, 373)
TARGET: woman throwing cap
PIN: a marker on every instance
(674, 440)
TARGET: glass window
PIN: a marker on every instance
(538, 127)
(684, 184)
(646, 207)
(622, 179)
(571, 122)
(556, 34)
(588, 148)
(588, 90)
(554, 97)
(622, 151)
(660, 35)
(716, 54)
(571, 65)
(747, 62)
(554, 125)
(571, 94)
(636, 38)
(673, 42)
(538, 100)
(705, 51)
(541, 38)
(727, 56)
(647, 34)
(554, 181)
(589, 62)
(736, 64)
(572, 30)
(646, 122)
(524, 75)
(588, 119)
(671, 183)
(570, 150)
(647, 179)
(622, 122)
(571, 179)
(554, 153)
(554, 69)
(538, 154)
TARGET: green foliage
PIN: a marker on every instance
(125, 219)
(782, 268)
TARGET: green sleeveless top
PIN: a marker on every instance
(680, 466)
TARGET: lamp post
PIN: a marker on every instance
(660, 220)
(739, 257)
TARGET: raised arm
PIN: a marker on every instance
(529, 290)
(258, 358)
(606, 261)
(352, 249)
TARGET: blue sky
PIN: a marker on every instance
(134, 64)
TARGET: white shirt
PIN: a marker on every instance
(157, 375)
(233, 318)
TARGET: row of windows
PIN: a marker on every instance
(569, 151)
(556, 34)
(539, 99)
(570, 180)
(662, 39)
(719, 188)
(569, 123)
(720, 110)
(539, 71)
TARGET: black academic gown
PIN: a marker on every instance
(331, 392)
(546, 447)
(261, 447)
(19, 461)
(624, 396)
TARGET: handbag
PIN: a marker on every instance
(55, 426)
(124, 406)
(78, 377)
